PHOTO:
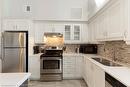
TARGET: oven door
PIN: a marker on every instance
(51, 65)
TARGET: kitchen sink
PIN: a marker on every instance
(106, 62)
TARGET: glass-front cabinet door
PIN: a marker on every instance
(76, 32)
(72, 33)
(67, 32)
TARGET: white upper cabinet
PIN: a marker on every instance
(115, 14)
(70, 10)
(16, 25)
(109, 22)
(73, 33)
(41, 28)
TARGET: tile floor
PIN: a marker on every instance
(64, 83)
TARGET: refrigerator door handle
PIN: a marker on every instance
(2, 47)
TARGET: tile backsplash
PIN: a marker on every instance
(70, 48)
(119, 49)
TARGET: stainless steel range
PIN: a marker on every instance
(51, 67)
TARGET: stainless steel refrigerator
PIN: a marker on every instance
(15, 51)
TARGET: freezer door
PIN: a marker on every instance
(14, 39)
(14, 60)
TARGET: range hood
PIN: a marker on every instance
(54, 39)
(53, 35)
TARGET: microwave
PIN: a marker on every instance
(88, 49)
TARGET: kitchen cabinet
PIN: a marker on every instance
(88, 73)
(0, 65)
(99, 76)
(93, 75)
(72, 67)
(115, 25)
(92, 33)
(79, 65)
(34, 67)
(72, 33)
(41, 28)
(108, 23)
(16, 25)
(69, 68)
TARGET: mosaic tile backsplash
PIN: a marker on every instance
(118, 49)
(70, 48)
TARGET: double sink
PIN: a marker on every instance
(106, 62)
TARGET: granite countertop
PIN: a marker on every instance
(13, 79)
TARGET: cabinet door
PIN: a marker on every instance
(59, 28)
(84, 33)
(67, 35)
(22, 25)
(99, 77)
(76, 32)
(79, 64)
(9, 25)
(92, 32)
(34, 67)
(101, 27)
(0, 65)
(89, 73)
(115, 30)
(39, 32)
(69, 66)
(16, 24)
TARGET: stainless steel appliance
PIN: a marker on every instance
(15, 51)
(88, 48)
(51, 65)
(112, 82)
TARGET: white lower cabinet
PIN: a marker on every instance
(0, 65)
(34, 67)
(99, 76)
(72, 67)
(93, 75)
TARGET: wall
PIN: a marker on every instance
(122, 51)
(94, 6)
(58, 9)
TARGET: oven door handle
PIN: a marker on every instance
(50, 59)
